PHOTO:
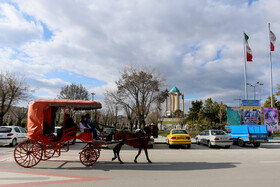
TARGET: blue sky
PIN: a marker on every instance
(195, 45)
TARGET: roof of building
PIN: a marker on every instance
(174, 89)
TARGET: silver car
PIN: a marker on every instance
(214, 138)
(12, 135)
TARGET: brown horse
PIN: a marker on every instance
(139, 139)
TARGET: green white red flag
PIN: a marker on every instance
(249, 56)
(272, 40)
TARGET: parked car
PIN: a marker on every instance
(107, 131)
(214, 138)
(248, 133)
(179, 137)
(12, 135)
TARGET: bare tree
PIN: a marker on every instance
(12, 90)
(138, 89)
(112, 102)
(74, 92)
(20, 113)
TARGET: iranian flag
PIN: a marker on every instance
(272, 40)
(249, 55)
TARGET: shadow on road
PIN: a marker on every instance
(157, 166)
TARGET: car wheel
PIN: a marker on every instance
(209, 144)
(257, 144)
(14, 143)
(227, 146)
(197, 141)
(188, 146)
(241, 143)
(168, 144)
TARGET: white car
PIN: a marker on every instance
(12, 135)
(214, 138)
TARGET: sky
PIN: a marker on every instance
(196, 45)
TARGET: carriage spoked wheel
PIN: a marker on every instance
(50, 150)
(98, 152)
(88, 156)
(28, 153)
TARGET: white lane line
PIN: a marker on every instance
(270, 162)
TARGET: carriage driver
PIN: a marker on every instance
(93, 126)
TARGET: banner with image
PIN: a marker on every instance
(251, 114)
(271, 118)
(233, 116)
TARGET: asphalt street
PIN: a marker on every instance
(198, 166)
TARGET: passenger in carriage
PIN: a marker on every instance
(94, 126)
(83, 125)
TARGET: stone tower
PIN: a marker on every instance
(173, 101)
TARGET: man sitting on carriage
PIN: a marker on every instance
(86, 125)
(94, 126)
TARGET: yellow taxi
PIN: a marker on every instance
(179, 137)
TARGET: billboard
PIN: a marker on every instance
(251, 114)
(233, 116)
(271, 118)
(250, 103)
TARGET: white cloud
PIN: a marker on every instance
(97, 38)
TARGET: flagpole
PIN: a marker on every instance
(245, 69)
(270, 60)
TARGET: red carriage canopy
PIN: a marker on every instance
(40, 111)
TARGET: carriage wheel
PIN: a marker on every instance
(88, 156)
(28, 153)
(50, 150)
(97, 152)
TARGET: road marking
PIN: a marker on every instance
(28, 178)
(269, 162)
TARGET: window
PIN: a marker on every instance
(5, 129)
(228, 130)
(203, 133)
(17, 129)
(179, 132)
(217, 132)
(22, 130)
(206, 133)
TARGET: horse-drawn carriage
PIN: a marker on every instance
(43, 145)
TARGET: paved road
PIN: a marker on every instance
(198, 166)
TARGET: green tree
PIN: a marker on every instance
(210, 111)
(222, 112)
(193, 114)
(275, 102)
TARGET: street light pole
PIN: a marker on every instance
(92, 96)
(254, 86)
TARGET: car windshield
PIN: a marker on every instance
(179, 132)
(5, 129)
(218, 133)
(108, 131)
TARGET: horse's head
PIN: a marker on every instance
(152, 130)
